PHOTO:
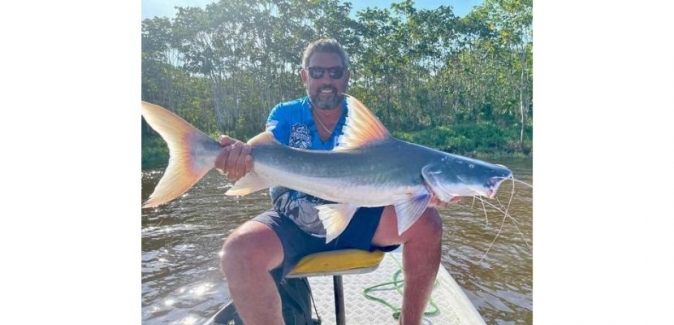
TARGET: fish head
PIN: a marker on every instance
(457, 176)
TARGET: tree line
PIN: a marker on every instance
(460, 84)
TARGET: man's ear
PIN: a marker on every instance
(303, 75)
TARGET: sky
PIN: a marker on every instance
(166, 8)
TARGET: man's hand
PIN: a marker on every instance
(234, 161)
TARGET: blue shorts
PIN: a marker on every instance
(298, 244)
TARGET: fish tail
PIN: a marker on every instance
(192, 153)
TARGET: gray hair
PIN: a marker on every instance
(325, 45)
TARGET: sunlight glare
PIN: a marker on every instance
(201, 289)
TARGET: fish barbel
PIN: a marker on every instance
(367, 168)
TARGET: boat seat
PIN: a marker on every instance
(336, 264)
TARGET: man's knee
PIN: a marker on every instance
(250, 247)
(236, 247)
(429, 225)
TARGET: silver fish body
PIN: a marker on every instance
(376, 174)
(368, 168)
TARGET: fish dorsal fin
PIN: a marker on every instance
(361, 126)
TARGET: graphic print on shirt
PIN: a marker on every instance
(299, 136)
(299, 206)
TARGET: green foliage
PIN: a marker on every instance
(442, 137)
(467, 139)
(154, 152)
(456, 83)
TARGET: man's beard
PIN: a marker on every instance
(329, 102)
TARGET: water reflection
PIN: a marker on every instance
(181, 240)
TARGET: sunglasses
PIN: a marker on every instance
(333, 72)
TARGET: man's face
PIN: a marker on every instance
(325, 92)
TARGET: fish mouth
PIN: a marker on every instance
(488, 189)
(494, 183)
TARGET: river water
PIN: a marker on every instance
(489, 255)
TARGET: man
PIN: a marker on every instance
(269, 246)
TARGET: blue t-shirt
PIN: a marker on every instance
(292, 124)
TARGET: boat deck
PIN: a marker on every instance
(453, 306)
(449, 305)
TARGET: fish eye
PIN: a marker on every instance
(471, 166)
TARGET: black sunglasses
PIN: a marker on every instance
(333, 72)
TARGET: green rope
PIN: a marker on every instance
(398, 284)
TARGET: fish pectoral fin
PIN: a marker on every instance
(410, 209)
(248, 184)
(335, 218)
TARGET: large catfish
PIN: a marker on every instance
(367, 168)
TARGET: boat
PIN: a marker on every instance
(375, 298)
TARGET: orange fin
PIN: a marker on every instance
(361, 127)
(409, 207)
(250, 183)
(335, 217)
(192, 153)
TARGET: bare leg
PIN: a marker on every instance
(250, 252)
(421, 258)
